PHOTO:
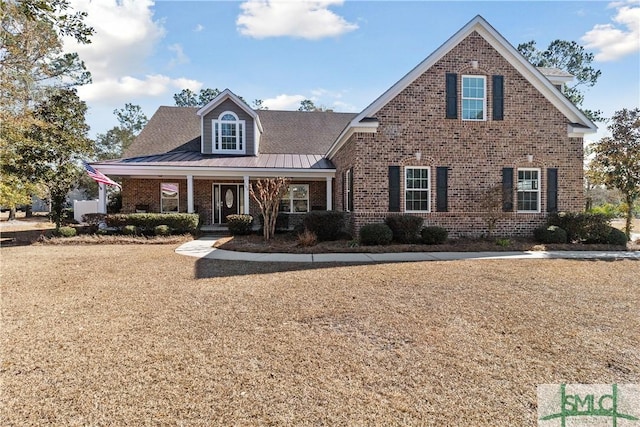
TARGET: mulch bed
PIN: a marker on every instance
(288, 243)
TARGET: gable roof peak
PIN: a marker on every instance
(223, 96)
(479, 25)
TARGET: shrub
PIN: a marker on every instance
(376, 234)
(66, 232)
(616, 237)
(179, 222)
(582, 226)
(503, 242)
(327, 225)
(94, 218)
(608, 209)
(307, 238)
(130, 230)
(162, 230)
(239, 224)
(282, 222)
(550, 234)
(434, 235)
(405, 228)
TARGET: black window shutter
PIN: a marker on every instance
(507, 189)
(350, 201)
(452, 96)
(394, 188)
(552, 190)
(498, 97)
(442, 178)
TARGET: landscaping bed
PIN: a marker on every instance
(288, 243)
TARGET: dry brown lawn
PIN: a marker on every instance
(137, 335)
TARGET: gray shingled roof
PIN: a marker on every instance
(169, 129)
(173, 129)
(300, 132)
(552, 71)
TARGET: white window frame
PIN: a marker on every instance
(424, 190)
(348, 177)
(163, 198)
(240, 135)
(470, 98)
(291, 199)
(537, 191)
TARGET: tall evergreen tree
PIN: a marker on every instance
(572, 58)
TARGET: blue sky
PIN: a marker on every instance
(340, 54)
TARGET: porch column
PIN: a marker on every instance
(102, 198)
(189, 193)
(246, 194)
(329, 195)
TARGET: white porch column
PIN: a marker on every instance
(246, 194)
(102, 198)
(189, 193)
(329, 193)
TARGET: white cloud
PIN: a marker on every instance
(345, 107)
(284, 102)
(180, 57)
(618, 39)
(308, 19)
(320, 97)
(127, 87)
(198, 28)
(126, 36)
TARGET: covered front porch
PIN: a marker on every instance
(215, 194)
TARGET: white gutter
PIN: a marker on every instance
(202, 171)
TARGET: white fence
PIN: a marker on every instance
(81, 207)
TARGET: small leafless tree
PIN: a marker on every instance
(267, 193)
(490, 203)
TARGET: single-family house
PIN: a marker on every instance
(474, 116)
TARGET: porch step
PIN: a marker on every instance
(215, 231)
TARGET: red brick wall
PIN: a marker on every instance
(147, 192)
(475, 151)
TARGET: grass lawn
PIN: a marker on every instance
(137, 335)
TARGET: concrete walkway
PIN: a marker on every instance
(203, 248)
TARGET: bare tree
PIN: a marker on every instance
(491, 202)
(267, 193)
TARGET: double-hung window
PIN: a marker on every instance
(474, 98)
(417, 189)
(296, 199)
(169, 200)
(229, 134)
(528, 190)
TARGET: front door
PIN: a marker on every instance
(228, 201)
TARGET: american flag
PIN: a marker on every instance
(99, 176)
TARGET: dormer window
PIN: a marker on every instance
(229, 134)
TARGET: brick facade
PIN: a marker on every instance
(146, 192)
(474, 151)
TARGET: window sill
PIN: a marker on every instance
(228, 152)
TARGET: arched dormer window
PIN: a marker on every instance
(229, 134)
